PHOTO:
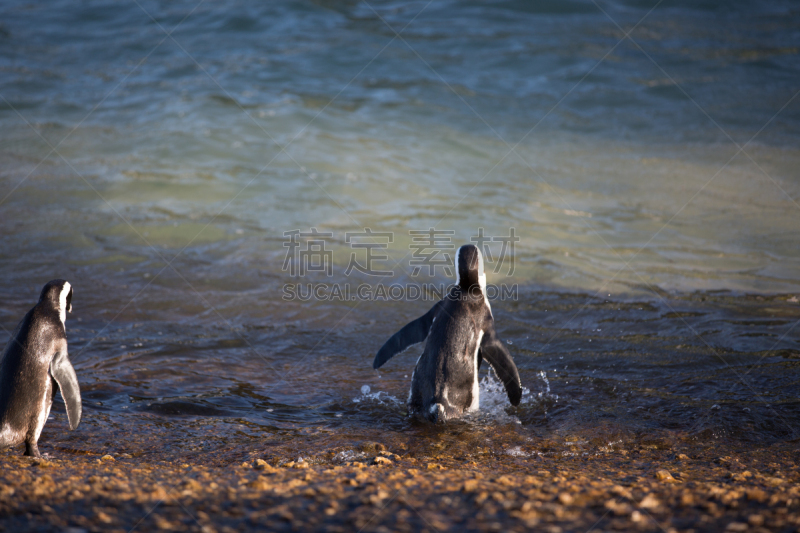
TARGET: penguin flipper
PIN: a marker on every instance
(414, 332)
(495, 353)
(62, 371)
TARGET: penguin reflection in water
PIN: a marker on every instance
(460, 335)
(34, 366)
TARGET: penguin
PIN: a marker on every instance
(460, 335)
(34, 366)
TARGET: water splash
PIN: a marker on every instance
(546, 392)
(380, 397)
(348, 455)
(517, 451)
(492, 406)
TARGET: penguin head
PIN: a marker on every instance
(469, 267)
(58, 294)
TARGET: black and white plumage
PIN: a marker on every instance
(460, 335)
(34, 366)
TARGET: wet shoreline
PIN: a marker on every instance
(663, 485)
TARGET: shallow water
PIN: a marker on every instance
(657, 265)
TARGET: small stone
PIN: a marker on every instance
(683, 457)
(508, 481)
(565, 498)
(108, 458)
(372, 447)
(755, 520)
(381, 461)
(665, 476)
(435, 466)
(649, 502)
(261, 464)
(737, 526)
(470, 485)
(389, 455)
(618, 508)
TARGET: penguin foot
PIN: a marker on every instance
(32, 450)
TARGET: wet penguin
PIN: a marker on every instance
(34, 366)
(460, 335)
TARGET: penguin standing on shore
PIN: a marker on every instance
(34, 366)
(460, 334)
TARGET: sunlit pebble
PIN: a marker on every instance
(338, 415)
(269, 410)
(715, 406)
(123, 347)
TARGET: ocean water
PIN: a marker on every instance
(644, 155)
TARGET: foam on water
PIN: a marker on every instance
(379, 398)
(348, 455)
(517, 451)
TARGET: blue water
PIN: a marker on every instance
(155, 154)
